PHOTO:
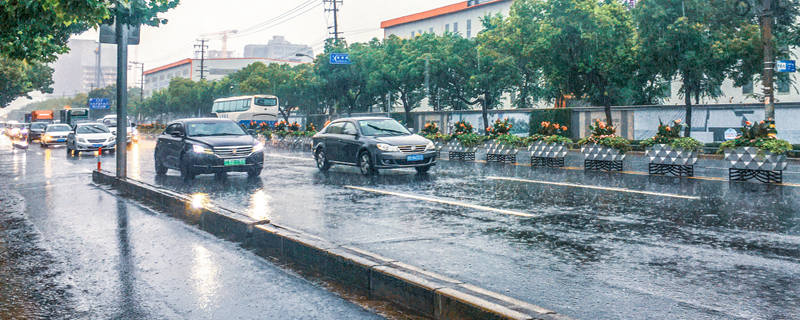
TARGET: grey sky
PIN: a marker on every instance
(359, 19)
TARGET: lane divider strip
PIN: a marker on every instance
(574, 185)
(442, 201)
(287, 157)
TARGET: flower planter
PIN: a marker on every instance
(664, 159)
(547, 154)
(597, 157)
(458, 152)
(498, 152)
(752, 163)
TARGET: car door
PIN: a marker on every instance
(171, 145)
(333, 144)
(349, 143)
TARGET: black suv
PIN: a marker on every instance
(203, 146)
(372, 143)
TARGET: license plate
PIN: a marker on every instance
(415, 157)
(61, 140)
(235, 162)
(97, 145)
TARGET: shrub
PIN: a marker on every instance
(462, 127)
(563, 117)
(509, 140)
(603, 135)
(761, 136)
(548, 129)
(430, 128)
(470, 140)
(670, 134)
(499, 128)
(439, 137)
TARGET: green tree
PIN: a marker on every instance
(402, 70)
(19, 77)
(349, 86)
(39, 30)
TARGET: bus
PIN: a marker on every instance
(74, 116)
(248, 109)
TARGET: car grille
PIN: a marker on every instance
(97, 140)
(408, 149)
(233, 152)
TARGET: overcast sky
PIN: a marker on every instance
(359, 19)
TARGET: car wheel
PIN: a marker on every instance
(69, 151)
(160, 168)
(186, 171)
(322, 160)
(423, 170)
(254, 173)
(365, 164)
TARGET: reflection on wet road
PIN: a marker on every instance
(589, 245)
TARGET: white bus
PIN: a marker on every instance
(247, 109)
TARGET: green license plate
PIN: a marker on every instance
(235, 162)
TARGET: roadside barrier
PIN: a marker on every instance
(360, 272)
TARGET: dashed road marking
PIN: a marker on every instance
(442, 201)
(287, 157)
(574, 185)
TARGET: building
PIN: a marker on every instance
(214, 69)
(279, 48)
(77, 71)
(463, 18)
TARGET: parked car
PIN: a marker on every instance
(90, 137)
(36, 130)
(208, 145)
(55, 134)
(372, 143)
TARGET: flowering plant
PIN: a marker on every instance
(310, 127)
(604, 135)
(499, 128)
(548, 129)
(670, 134)
(281, 125)
(462, 127)
(510, 140)
(762, 136)
(470, 140)
(294, 126)
(430, 128)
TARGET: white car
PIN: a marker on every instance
(111, 122)
(90, 137)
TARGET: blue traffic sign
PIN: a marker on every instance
(785, 66)
(99, 104)
(340, 58)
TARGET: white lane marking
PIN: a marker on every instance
(442, 201)
(287, 157)
(565, 184)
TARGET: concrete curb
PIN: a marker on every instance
(361, 272)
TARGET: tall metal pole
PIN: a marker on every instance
(335, 23)
(769, 61)
(122, 95)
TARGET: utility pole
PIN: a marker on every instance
(334, 7)
(202, 51)
(767, 75)
(98, 73)
(122, 93)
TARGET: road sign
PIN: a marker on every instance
(785, 66)
(99, 104)
(731, 134)
(340, 58)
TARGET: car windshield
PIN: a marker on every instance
(58, 128)
(92, 128)
(382, 127)
(216, 128)
(38, 125)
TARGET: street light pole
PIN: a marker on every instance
(122, 93)
(769, 60)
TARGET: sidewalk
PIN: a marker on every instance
(99, 257)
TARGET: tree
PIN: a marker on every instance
(20, 77)
(39, 30)
(402, 70)
(348, 86)
(687, 39)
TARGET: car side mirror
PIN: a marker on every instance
(251, 132)
(176, 134)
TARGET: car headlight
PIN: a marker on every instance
(387, 147)
(24, 131)
(430, 146)
(201, 149)
(258, 147)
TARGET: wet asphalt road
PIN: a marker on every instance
(660, 248)
(89, 254)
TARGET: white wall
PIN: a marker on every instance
(438, 23)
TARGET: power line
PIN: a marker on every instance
(281, 19)
(273, 19)
(202, 53)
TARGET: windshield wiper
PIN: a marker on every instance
(384, 129)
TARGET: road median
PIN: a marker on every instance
(360, 272)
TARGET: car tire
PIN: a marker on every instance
(186, 171)
(423, 170)
(160, 168)
(69, 151)
(365, 164)
(254, 173)
(321, 158)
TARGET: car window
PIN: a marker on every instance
(38, 125)
(349, 129)
(335, 128)
(382, 127)
(175, 127)
(58, 128)
(92, 128)
(215, 128)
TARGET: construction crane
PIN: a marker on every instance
(223, 35)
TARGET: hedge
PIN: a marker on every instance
(562, 116)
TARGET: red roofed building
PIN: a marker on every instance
(463, 18)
